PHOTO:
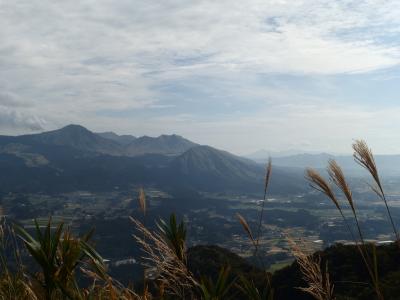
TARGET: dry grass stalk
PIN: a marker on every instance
(142, 201)
(319, 183)
(30, 294)
(317, 278)
(172, 272)
(268, 176)
(266, 184)
(364, 157)
(142, 208)
(246, 228)
(107, 288)
(337, 176)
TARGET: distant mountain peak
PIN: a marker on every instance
(202, 158)
(212, 169)
(71, 129)
(78, 137)
(74, 127)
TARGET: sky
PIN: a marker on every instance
(236, 75)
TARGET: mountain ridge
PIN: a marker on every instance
(163, 144)
(74, 158)
(80, 138)
(75, 136)
(124, 139)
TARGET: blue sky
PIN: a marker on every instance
(238, 75)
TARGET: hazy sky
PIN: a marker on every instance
(238, 75)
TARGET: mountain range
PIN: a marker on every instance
(387, 164)
(262, 155)
(80, 138)
(74, 158)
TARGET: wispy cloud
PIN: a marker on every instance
(220, 62)
(19, 122)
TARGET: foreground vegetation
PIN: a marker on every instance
(53, 263)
